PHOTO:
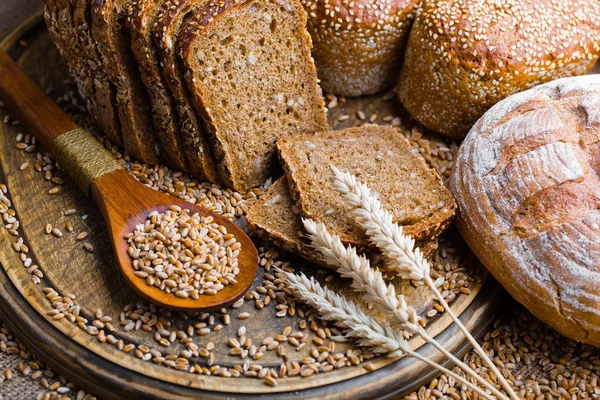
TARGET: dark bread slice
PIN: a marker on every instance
(253, 81)
(380, 157)
(165, 32)
(110, 32)
(59, 19)
(141, 19)
(276, 218)
(105, 92)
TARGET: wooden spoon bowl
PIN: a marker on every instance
(123, 200)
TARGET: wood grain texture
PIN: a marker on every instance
(96, 281)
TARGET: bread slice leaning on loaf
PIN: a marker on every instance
(166, 32)
(527, 182)
(253, 81)
(105, 93)
(379, 157)
(464, 56)
(358, 45)
(114, 44)
(275, 218)
(140, 20)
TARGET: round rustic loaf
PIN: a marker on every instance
(358, 44)
(463, 56)
(528, 188)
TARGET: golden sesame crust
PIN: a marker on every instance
(478, 53)
(358, 44)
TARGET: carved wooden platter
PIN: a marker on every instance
(94, 282)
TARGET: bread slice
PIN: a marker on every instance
(380, 157)
(165, 32)
(142, 14)
(276, 218)
(59, 19)
(253, 80)
(114, 44)
(107, 114)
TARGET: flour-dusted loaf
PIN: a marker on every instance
(253, 81)
(463, 56)
(276, 218)
(358, 44)
(166, 31)
(379, 157)
(114, 44)
(140, 20)
(528, 188)
(106, 113)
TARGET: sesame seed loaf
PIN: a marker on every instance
(140, 20)
(253, 81)
(166, 31)
(379, 157)
(275, 218)
(358, 45)
(110, 32)
(105, 92)
(463, 56)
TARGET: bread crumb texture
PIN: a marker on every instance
(463, 56)
(527, 185)
(380, 157)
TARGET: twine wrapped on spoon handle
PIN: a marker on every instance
(83, 157)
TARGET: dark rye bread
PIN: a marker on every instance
(165, 31)
(105, 92)
(114, 44)
(275, 218)
(253, 81)
(142, 14)
(59, 19)
(379, 157)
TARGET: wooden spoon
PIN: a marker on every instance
(124, 201)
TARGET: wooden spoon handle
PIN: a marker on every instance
(75, 149)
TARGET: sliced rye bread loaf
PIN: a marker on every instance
(379, 157)
(141, 19)
(253, 81)
(275, 218)
(105, 92)
(114, 44)
(165, 33)
(59, 19)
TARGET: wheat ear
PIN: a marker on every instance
(360, 326)
(365, 279)
(406, 260)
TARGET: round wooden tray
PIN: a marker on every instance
(96, 282)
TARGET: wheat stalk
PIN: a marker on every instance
(367, 331)
(365, 279)
(407, 261)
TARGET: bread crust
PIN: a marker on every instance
(108, 17)
(192, 133)
(527, 185)
(358, 45)
(463, 56)
(296, 154)
(275, 219)
(140, 20)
